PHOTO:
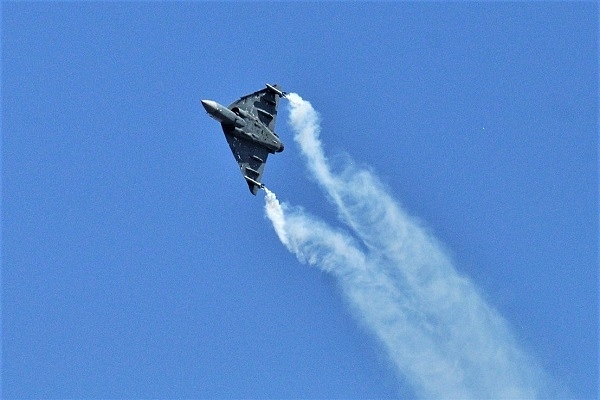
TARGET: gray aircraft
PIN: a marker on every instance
(249, 127)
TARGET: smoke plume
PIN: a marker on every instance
(438, 331)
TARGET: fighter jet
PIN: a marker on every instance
(249, 127)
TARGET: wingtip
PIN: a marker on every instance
(253, 185)
(276, 88)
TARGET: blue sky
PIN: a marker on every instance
(136, 264)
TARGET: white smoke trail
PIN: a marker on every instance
(437, 330)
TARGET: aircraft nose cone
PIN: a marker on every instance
(209, 105)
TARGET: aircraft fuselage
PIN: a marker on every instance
(243, 125)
